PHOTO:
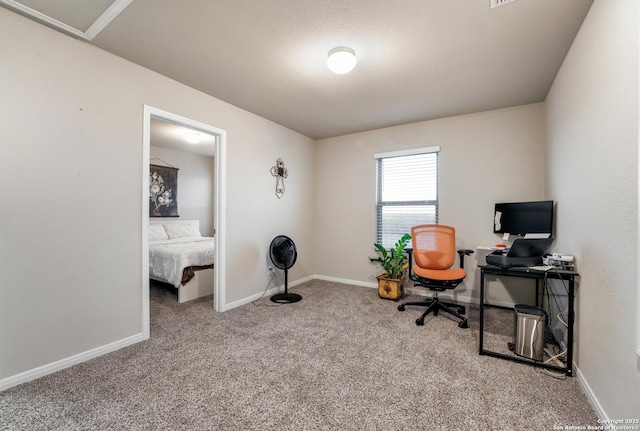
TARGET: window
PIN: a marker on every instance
(407, 192)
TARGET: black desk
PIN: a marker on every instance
(537, 275)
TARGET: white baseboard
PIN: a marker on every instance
(413, 291)
(589, 393)
(420, 291)
(267, 293)
(35, 373)
(346, 281)
(458, 298)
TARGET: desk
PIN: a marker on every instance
(536, 275)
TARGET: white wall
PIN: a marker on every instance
(71, 170)
(488, 157)
(195, 184)
(592, 144)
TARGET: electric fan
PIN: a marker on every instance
(283, 254)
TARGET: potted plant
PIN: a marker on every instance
(394, 264)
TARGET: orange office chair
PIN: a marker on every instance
(434, 254)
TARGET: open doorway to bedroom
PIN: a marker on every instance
(201, 193)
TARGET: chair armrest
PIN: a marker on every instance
(409, 251)
(462, 253)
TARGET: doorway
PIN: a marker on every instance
(219, 224)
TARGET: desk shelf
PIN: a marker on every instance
(537, 276)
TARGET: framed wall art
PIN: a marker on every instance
(163, 191)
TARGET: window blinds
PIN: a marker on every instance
(407, 192)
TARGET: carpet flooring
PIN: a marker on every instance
(340, 359)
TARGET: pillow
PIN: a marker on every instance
(175, 230)
(157, 232)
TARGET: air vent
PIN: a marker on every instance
(496, 3)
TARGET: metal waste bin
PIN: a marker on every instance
(529, 336)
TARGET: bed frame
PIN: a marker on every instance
(202, 283)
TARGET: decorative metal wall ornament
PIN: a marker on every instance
(280, 172)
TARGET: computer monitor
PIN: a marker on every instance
(521, 218)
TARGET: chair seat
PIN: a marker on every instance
(446, 275)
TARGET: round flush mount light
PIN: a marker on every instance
(341, 60)
(193, 137)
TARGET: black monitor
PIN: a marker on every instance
(521, 218)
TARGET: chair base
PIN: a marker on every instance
(434, 305)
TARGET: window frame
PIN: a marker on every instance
(379, 204)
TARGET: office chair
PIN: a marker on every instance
(434, 254)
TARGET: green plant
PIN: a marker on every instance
(393, 262)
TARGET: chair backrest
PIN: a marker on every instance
(434, 246)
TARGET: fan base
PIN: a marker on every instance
(285, 298)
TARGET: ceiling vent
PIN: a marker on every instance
(496, 3)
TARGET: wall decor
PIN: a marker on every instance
(163, 191)
(280, 172)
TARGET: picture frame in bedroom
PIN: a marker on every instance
(163, 191)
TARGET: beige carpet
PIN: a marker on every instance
(340, 359)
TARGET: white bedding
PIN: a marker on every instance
(168, 258)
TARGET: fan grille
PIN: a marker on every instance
(283, 252)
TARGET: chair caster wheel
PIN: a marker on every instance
(461, 310)
(420, 321)
(463, 324)
(401, 307)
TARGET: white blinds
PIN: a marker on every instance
(407, 192)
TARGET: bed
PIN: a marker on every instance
(181, 257)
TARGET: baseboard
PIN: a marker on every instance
(415, 291)
(266, 293)
(589, 393)
(346, 281)
(278, 289)
(44, 370)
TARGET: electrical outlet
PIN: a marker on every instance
(269, 270)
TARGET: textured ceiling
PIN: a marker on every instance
(417, 59)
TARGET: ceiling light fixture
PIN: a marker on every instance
(341, 60)
(193, 137)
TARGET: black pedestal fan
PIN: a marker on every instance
(283, 254)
